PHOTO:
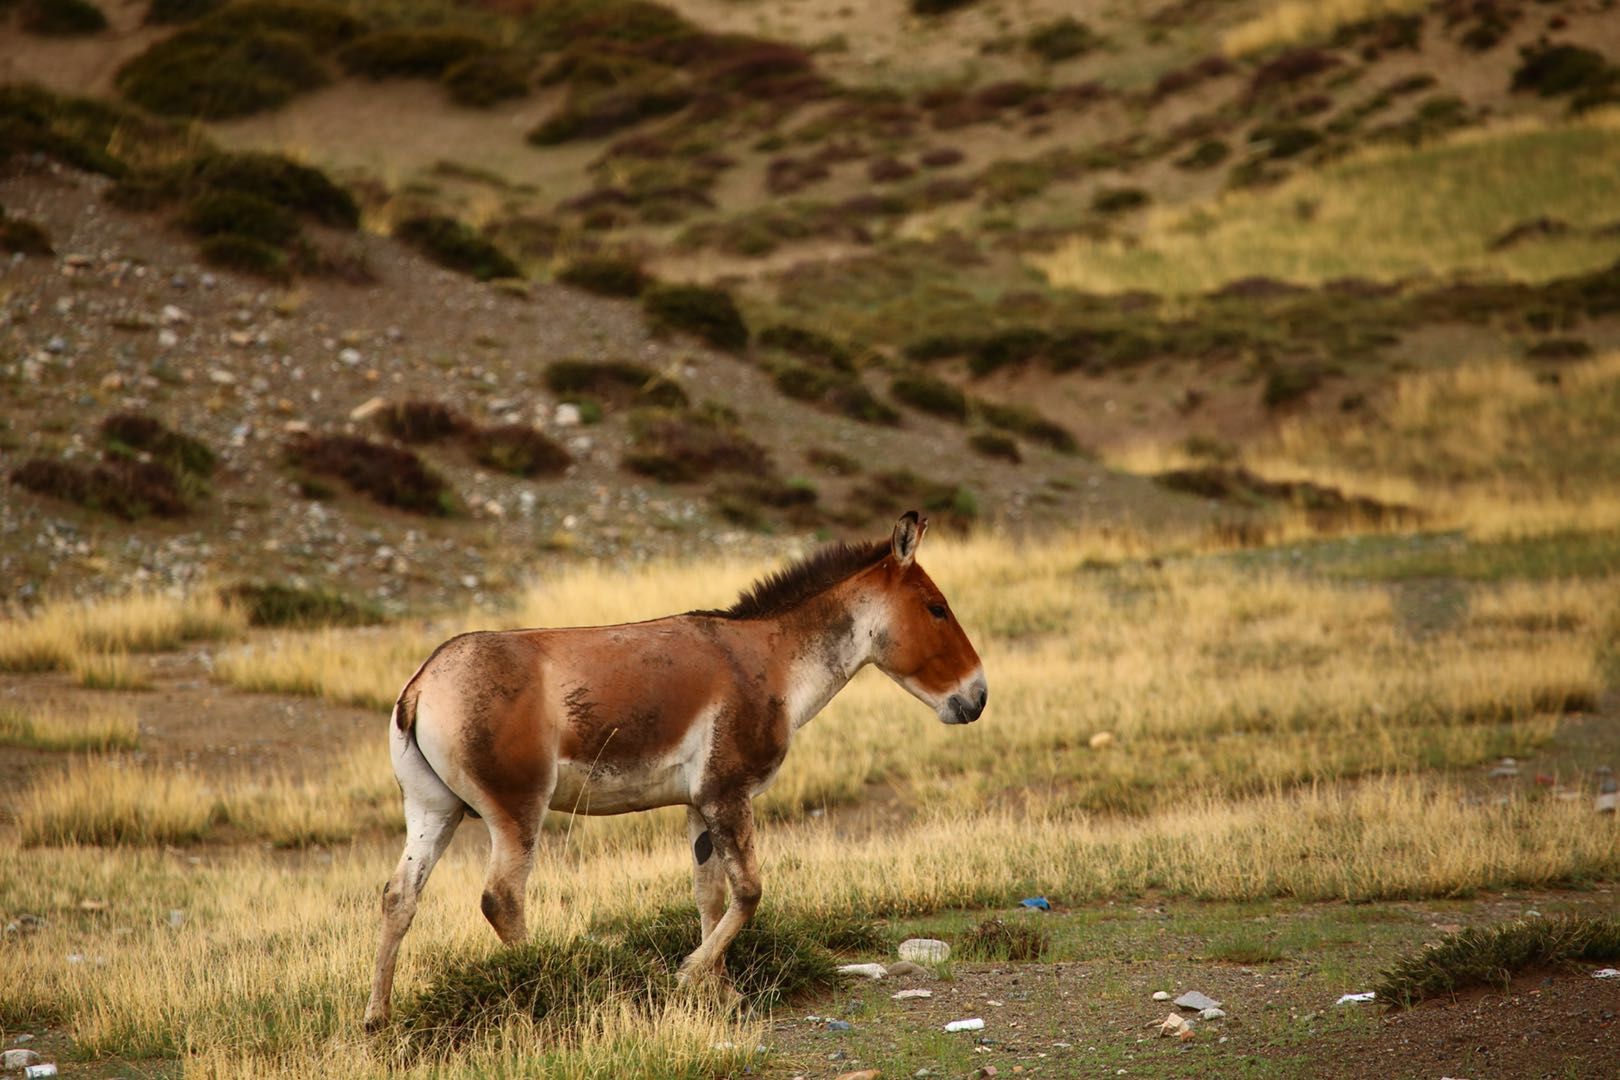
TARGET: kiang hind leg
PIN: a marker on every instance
(514, 827)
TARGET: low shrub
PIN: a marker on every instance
(391, 475)
(832, 462)
(421, 421)
(993, 939)
(930, 395)
(834, 391)
(937, 7)
(1206, 155)
(606, 276)
(594, 113)
(214, 213)
(24, 237)
(245, 255)
(889, 170)
(127, 434)
(1285, 140)
(1491, 956)
(902, 487)
(1290, 67)
(616, 381)
(991, 445)
(325, 26)
(270, 178)
(1061, 39)
(748, 502)
(126, 489)
(214, 74)
(941, 157)
(1560, 349)
(1557, 70)
(1015, 345)
(62, 18)
(807, 345)
(455, 246)
(422, 53)
(518, 449)
(487, 78)
(677, 447)
(171, 12)
(1286, 385)
(707, 313)
(1118, 200)
(934, 347)
(1024, 421)
(287, 606)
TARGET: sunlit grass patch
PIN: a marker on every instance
(1492, 956)
(1386, 215)
(113, 803)
(111, 671)
(53, 637)
(91, 727)
(1289, 22)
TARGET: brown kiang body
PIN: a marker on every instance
(696, 710)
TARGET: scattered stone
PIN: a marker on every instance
(367, 409)
(869, 971)
(925, 950)
(567, 415)
(1356, 999)
(862, 1074)
(350, 356)
(173, 316)
(1211, 1013)
(972, 1023)
(25, 924)
(1608, 796)
(1161, 995)
(985, 1071)
(905, 969)
(221, 377)
(1197, 1001)
(909, 995)
(18, 1059)
(1173, 1025)
(1102, 740)
(840, 1025)
(167, 338)
(56, 345)
(1505, 769)
(295, 427)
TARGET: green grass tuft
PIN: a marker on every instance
(606, 276)
(518, 449)
(245, 255)
(930, 395)
(707, 313)
(1491, 956)
(994, 939)
(285, 605)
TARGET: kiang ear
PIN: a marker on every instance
(908, 533)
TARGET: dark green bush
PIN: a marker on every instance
(606, 276)
(1206, 155)
(1286, 385)
(1556, 70)
(591, 114)
(128, 434)
(391, 475)
(1061, 39)
(410, 53)
(616, 381)
(836, 392)
(74, 131)
(1490, 956)
(276, 179)
(245, 255)
(170, 12)
(1285, 140)
(992, 445)
(323, 26)
(215, 74)
(19, 235)
(1015, 345)
(421, 421)
(126, 489)
(62, 18)
(1560, 349)
(679, 447)
(938, 347)
(455, 246)
(807, 344)
(937, 7)
(834, 462)
(707, 313)
(1118, 200)
(286, 606)
(518, 449)
(215, 213)
(930, 395)
(1024, 421)
(487, 78)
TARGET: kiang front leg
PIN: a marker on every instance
(731, 838)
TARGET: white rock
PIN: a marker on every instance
(221, 377)
(1196, 1001)
(1160, 995)
(1606, 973)
(167, 338)
(567, 415)
(869, 971)
(350, 356)
(18, 1059)
(1102, 740)
(908, 995)
(172, 316)
(367, 409)
(925, 950)
(970, 1024)
(1211, 1013)
(1356, 999)
(1173, 1025)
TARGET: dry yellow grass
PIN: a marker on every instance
(97, 727)
(1290, 22)
(60, 634)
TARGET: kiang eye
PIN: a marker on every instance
(937, 610)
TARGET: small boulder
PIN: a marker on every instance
(867, 971)
(1211, 1013)
(905, 969)
(18, 1059)
(1173, 1025)
(1161, 995)
(925, 950)
(1196, 1001)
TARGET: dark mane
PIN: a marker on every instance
(794, 584)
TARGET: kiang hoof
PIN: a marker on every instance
(375, 1024)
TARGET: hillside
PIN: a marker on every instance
(974, 251)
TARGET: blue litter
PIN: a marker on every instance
(1037, 902)
(840, 1025)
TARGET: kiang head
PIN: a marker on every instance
(920, 644)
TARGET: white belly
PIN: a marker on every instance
(583, 790)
